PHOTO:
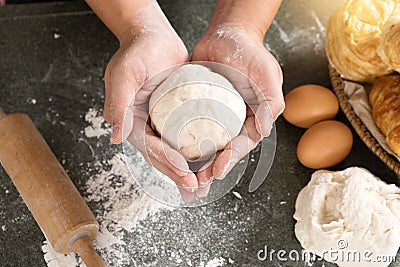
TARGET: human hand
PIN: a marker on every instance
(146, 49)
(260, 86)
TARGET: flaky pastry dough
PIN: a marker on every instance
(353, 36)
(389, 48)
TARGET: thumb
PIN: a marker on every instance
(121, 84)
(269, 78)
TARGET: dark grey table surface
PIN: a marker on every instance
(36, 67)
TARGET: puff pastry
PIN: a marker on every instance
(353, 36)
(389, 48)
(385, 101)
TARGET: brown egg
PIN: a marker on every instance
(324, 144)
(309, 104)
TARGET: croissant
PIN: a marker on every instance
(385, 101)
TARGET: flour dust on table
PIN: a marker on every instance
(121, 204)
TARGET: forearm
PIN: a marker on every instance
(253, 15)
(121, 15)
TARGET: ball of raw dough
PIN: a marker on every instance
(349, 211)
(197, 111)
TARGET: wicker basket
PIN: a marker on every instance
(359, 127)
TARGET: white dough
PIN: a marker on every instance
(197, 111)
(353, 206)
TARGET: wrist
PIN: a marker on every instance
(232, 23)
(148, 18)
(232, 30)
(252, 16)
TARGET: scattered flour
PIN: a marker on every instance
(98, 127)
(283, 35)
(237, 194)
(120, 203)
(304, 33)
(121, 206)
(216, 262)
(32, 101)
(54, 259)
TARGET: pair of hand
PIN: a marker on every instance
(147, 52)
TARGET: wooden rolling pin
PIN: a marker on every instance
(57, 206)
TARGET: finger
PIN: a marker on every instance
(205, 176)
(225, 162)
(122, 80)
(264, 119)
(239, 147)
(158, 149)
(128, 124)
(144, 139)
(188, 182)
(202, 192)
(187, 196)
(268, 89)
(187, 185)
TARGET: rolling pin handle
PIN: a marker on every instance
(2, 113)
(84, 247)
